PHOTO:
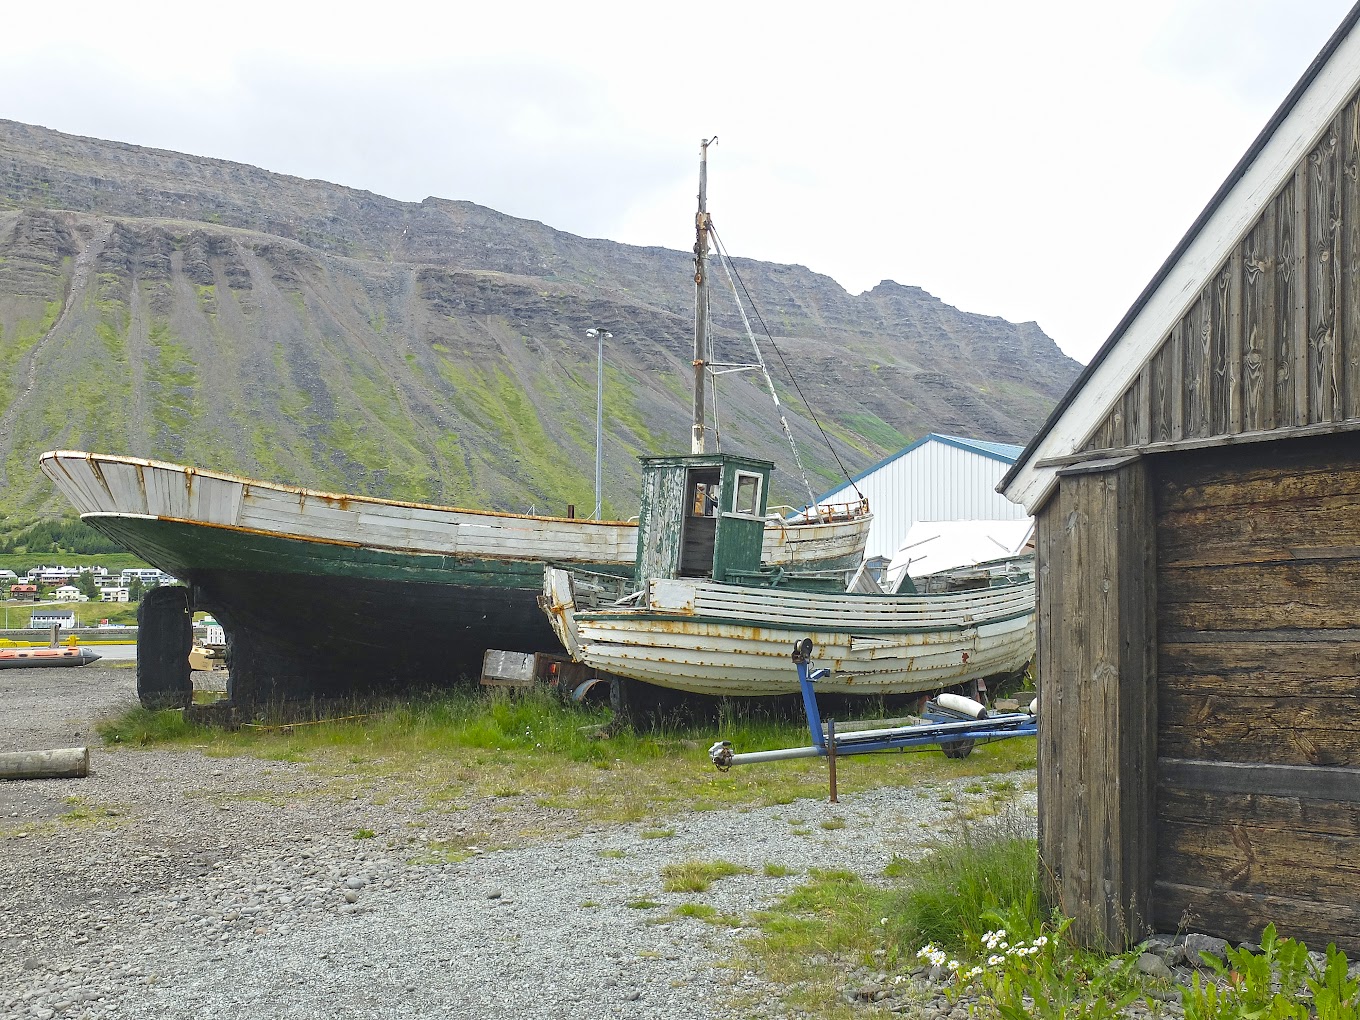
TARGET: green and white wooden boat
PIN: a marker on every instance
(323, 593)
(702, 616)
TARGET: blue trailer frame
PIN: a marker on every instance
(943, 727)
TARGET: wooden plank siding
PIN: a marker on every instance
(1270, 342)
(1258, 680)
(1097, 688)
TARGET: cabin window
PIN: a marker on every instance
(747, 498)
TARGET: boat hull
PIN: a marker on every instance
(703, 637)
(326, 595)
(315, 619)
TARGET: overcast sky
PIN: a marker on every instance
(1031, 160)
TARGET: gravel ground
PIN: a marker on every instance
(168, 884)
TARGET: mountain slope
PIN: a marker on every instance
(166, 305)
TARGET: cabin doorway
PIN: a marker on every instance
(700, 528)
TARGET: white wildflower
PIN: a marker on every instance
(1042, 940)
(992, 961)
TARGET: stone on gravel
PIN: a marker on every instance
(1196, 944)
(1153, 966)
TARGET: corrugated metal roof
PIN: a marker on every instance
(997, 451)
(1004, 452)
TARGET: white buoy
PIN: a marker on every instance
(965, 706)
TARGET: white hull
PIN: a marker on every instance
(836, 542)
(101, 484)
(719, 639)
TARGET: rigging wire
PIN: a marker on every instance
(774, 395)
(732, 271)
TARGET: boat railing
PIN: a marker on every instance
(826, 512)
(593, 589)
(998, 573)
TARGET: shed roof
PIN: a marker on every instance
(1325, 86)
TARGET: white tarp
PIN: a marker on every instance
(933, 546)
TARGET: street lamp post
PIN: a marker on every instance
(600, 335)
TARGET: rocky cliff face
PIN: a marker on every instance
(171, 306)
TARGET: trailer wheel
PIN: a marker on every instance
(958, 748)
(165, 634)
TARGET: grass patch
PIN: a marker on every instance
(448, 750)
(447, 851)
(143, 727)
(700, 910)
(81, 812)
(697, 876)
(988, 868)
(707, 914)
(613, 854)
(836, 920)
(833, 823)
(642, 904)
(773, 870)
(364, 834)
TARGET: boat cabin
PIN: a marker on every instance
(702, 515)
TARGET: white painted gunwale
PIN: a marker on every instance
(130, 486)
(713, 600)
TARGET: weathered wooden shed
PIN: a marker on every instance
(1197, 495)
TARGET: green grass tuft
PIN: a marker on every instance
(143, 727)
(697, 876)
(990, 868)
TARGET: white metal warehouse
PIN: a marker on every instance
(936, 478)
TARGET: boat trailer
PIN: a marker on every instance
(952, 721)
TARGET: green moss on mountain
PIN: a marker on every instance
(429, 351)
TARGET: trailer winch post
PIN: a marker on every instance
(802, 658)
(825, 744)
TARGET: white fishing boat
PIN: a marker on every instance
(733, 640)
(702, 616)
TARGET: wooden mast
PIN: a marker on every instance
(700, 299)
